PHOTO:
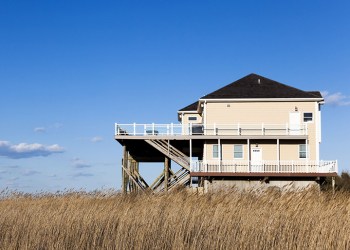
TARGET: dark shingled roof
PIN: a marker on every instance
(255, 86)
(191, 107)
(317, 94)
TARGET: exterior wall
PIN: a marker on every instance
(247, 185)
(289, 149)
(185, 117)
(227, 149)
(267, 113)
(254, 112)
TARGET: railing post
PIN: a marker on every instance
(262, 129)
(134, 128)
(153, 128)
(336, 166)
(172, 129)
(306, 130)
(238, 129)
(116, 129)
(144, 129)
(214, 132)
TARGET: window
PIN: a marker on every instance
(238, 151)
(192, 118)
(302, 151)
(308, 117)
(216, 151)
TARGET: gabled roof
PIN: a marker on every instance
(256, 86)
(191, 107)
(317, 94)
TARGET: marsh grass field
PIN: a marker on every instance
(178, 220)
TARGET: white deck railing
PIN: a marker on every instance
(302, 166)
(172, 129)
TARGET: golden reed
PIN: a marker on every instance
(178, 220)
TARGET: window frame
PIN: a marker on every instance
(217, 151)
(234, 151)
(305, 151)
(215, 154)
(308, 121)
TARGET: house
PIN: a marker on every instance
(252, 133)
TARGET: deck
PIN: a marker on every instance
(264, 168)
(210, 131)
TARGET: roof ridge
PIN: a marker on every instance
(248, 87)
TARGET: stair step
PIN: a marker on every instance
(172, 152)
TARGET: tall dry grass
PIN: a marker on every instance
(226, 220)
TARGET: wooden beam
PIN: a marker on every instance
(166, 173)
(125, 166)
(132, 178)
(257, 174)
(141, 179)
(156, 180)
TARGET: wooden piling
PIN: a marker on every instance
(124, 175)
(166, 173)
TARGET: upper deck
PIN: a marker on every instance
(210, 131)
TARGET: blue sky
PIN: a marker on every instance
(70, 69)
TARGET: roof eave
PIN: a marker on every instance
(187, 111)
(261, 99)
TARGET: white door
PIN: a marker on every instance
(256, 160)
(294, 123)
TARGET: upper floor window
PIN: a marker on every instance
(238, 151)
(308, 117)
(192, 118)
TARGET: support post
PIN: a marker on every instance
(190, 153)
(132, 165)
(248, 144)
(333, 184)
(278, 154)
(219, 150)
(124, 175)
(166, 173)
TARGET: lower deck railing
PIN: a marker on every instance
(226, 166)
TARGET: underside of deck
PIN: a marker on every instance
(292, 175)
(144, 152)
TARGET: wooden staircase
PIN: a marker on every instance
(181, 177)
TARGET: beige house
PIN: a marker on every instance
(252, 133)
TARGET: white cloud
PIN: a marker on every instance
(39, 130)
(79, 163)
(44, 129)
(57, 125)
(30, 172)
(81, 174)
(96, 139)
(336, 99)
(26, 150)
